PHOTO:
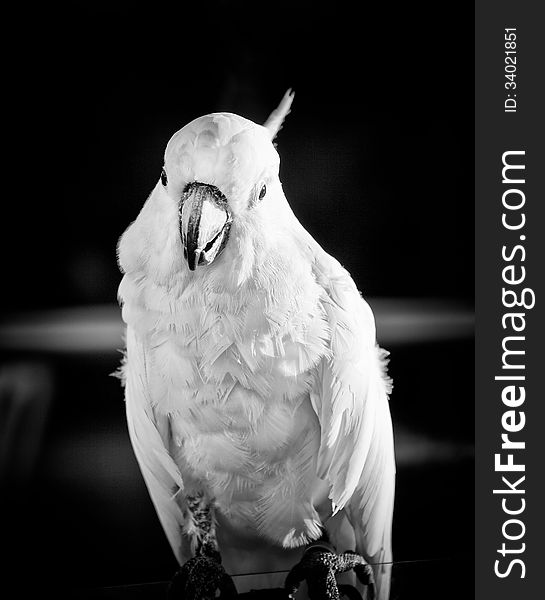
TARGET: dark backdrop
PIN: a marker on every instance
(375, 155)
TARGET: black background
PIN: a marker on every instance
(375, 155)
(377, 163)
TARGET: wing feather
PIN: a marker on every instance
(150, 434)
(350, 397)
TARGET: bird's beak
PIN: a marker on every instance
(205, 221)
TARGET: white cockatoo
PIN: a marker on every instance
(256, 396)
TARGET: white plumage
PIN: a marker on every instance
(254, 379)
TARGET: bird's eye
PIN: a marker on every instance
(263, 192)
(164, 178)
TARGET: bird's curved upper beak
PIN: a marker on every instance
(205, 221)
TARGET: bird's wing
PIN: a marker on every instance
(356, 455)
(150, 434)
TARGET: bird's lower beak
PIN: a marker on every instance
(205, 221)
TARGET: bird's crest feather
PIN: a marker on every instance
(276, 118)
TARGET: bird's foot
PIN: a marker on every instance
(320, 564)
(202, 578)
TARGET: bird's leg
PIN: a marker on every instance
(203, 575)
(319, 565)
(203, 527)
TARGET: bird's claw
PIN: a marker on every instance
(201, 578)
(320, 564)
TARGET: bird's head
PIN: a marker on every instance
(218, 195)
(218, 171)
